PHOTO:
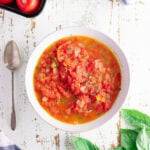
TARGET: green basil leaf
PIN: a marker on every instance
(143, 140)
(83, 144)
(136, 118)
(139, 130)
(118, 148)
(128, 139)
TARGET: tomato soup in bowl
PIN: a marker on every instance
(77, 79)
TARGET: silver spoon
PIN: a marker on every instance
(12, 61)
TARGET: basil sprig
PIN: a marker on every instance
(131, 139)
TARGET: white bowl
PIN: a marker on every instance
(48, 41)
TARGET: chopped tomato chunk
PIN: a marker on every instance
(63, 92)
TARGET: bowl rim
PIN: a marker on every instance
(48, 40)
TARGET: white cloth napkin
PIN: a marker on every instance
(6, 144)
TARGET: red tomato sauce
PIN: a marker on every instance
(77, 79)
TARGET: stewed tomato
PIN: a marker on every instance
(77, 79)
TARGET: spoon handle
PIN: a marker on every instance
(13, 114)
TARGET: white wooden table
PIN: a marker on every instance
(129, 25)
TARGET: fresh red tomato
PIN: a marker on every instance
(5, 1)
(28, 6)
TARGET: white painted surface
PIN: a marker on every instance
(129, 25)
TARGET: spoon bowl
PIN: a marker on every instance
(12, 59)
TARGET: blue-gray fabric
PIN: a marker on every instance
(11, 147)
